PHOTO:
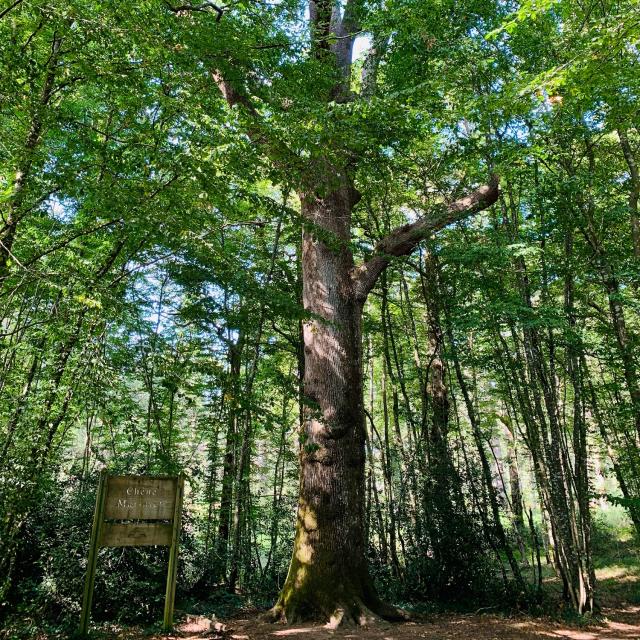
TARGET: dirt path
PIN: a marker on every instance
(622, 623)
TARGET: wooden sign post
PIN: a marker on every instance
(134, 511)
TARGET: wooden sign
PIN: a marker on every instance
(135, 511)
(115, 534)
(140, 498)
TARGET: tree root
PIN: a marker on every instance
(344, 613)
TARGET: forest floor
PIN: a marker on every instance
(615, 623)
(619, 593)
(620, 623)
(618, 577)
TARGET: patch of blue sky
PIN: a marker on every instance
(361, 46)
(61, 209)
(634, 50)
(628, 94)
(622, 178)
(595, 119)
(516, 130)
(388, 152)
(150, 293)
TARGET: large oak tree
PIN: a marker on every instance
(328, 575)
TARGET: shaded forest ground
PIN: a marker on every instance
(618, 577)
(621, 623)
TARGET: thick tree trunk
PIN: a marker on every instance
(328, 575)
(328, 572)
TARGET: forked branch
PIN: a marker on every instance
(403, 240)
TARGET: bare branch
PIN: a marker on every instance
(12, 6)
(403, 240)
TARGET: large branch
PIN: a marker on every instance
(235, 95)
(344, 28)
(320, 16)
(403, 240)
(232, 95)
(257, 129)
(333, 29)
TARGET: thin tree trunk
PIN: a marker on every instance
(229, 460)
(634, 192)
(13, 208)
(546, 441)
